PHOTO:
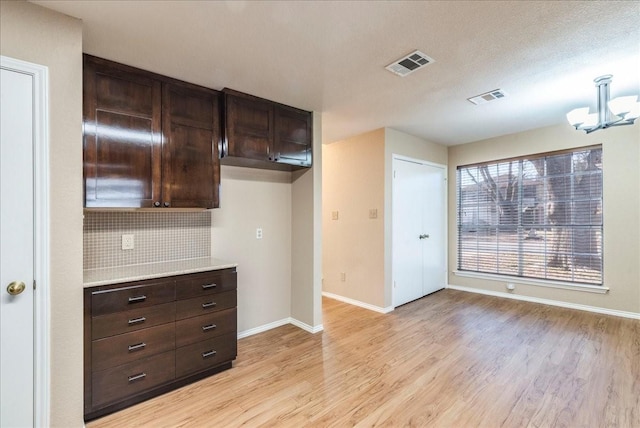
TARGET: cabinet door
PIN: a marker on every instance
(293, 138)
(248, 127)
(191, 128)
(122, 136)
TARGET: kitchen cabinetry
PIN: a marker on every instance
(145, 338)
(263, 134)
(149, 140)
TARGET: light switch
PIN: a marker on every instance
(373, 213)
(334, 215)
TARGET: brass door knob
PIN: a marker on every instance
(15, 288)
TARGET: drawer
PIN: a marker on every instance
(125, 348)
(205, 355)
(132, 297)
(201, 284)
(205, 304)
(115, 384)
(205, 327)
(133, 320)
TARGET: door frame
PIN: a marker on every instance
(41, 256)
(395, 157)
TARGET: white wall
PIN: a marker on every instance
(35, 34)
(621, 209)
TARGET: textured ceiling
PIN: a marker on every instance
(329, 56)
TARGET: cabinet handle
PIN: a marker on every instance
(156, 204)
(141, 345)
(207, 286)
(208, 327)
(137, 320)
(208, 354)
(208, 305)
(137, 299)
(167, 204)
(139, 376)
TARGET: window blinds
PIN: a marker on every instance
(537, 216)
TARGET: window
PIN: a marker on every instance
(536, 216)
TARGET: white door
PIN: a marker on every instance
(16, 249)
(434, 226)
(419, 229)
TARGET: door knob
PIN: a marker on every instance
(423, 236)
(15, 288)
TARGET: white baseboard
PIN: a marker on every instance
(306, 327)
(358, 303)
(588, 308)
(279, 323)
(263, 328)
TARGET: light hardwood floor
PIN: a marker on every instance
(452, 359)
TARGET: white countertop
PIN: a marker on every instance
(116, 275)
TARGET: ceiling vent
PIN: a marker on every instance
(410, 63)
(496, 94)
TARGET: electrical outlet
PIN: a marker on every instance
(334, 215)
(259, 233)
(127, 242)
(343, 277)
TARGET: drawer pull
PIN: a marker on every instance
(137, 299)
(208, 286)
(137, 320)
(208, 327)
(208, 354)
(141, 345)
(208, 305)
(137, 377)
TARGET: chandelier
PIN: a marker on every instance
(616, 112)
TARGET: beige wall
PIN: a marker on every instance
(279, 275)
(306, 244)
(353, 183)
(358, 177)
(252, 198)
(621, 209)
(32, 33)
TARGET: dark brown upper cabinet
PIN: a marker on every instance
(149, 141)
(260, 133)
(191, 130)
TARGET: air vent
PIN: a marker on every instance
(410, 63)
(496, 94)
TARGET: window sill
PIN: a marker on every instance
(598, 289)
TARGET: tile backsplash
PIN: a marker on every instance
(158, 237)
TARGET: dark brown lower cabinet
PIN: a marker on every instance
(145, 338)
